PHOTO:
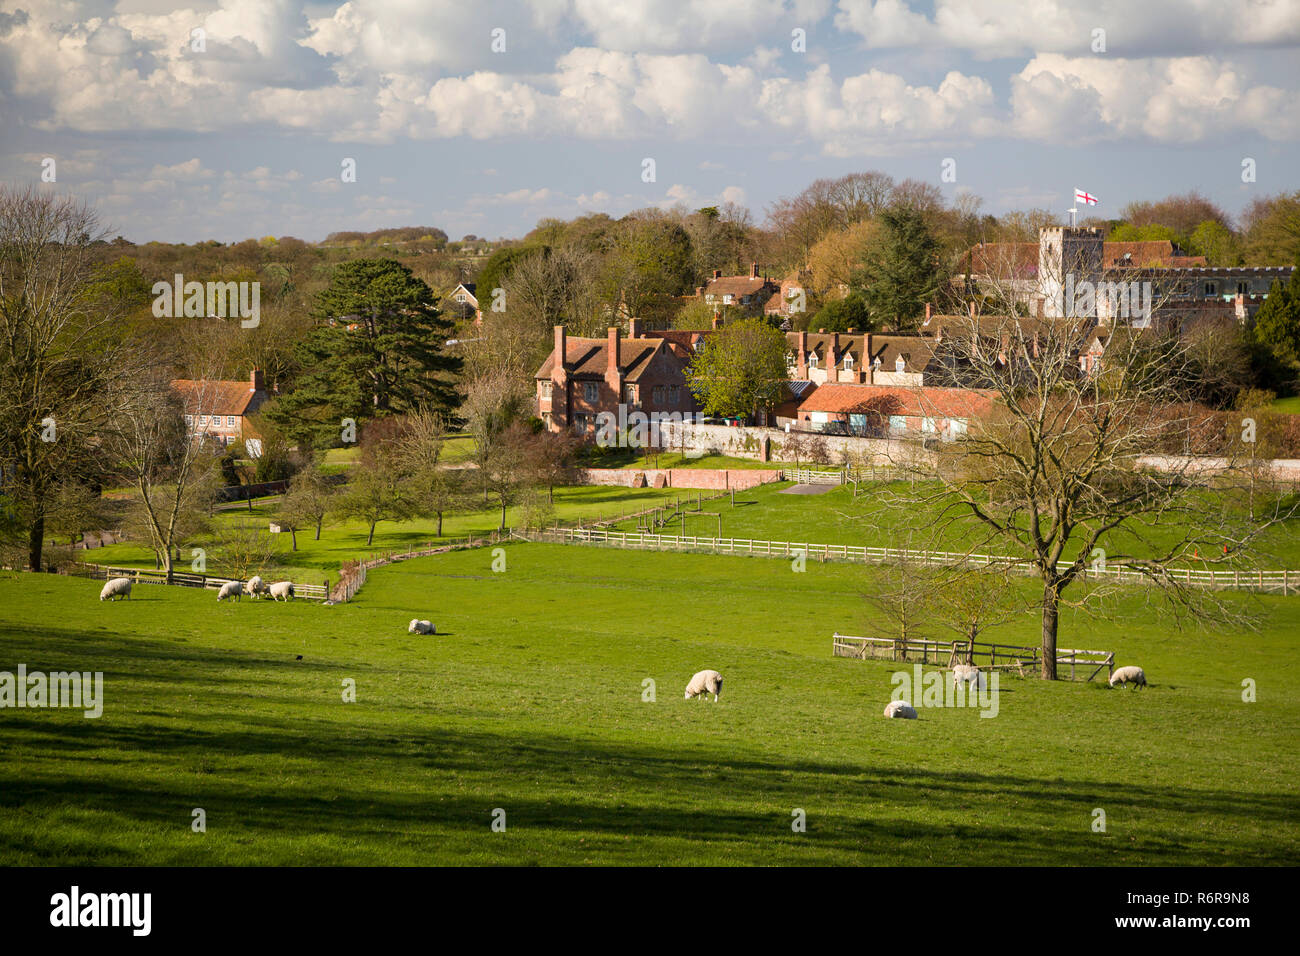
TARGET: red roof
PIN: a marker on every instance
(589, 358)
(215, 397)
(889, 400)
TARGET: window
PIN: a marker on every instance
(674, 394)
(1243, 288)
(547, 420)
(657, 394)
(1211, 288)
(460, 296)
(812, 359)
(203, 421)
(591, 393)
(899, 364)
(232, 421)
(629, 394)
(546, 389)
(189, 421)
(848, 362)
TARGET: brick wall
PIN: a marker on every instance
(705, 479)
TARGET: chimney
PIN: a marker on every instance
(866, 358)
(852, 330)
(557, 368)
(717, 319)
(717, 273)
(927, 313)
(803, 356)
(699, 291)
(612, 347)
(256, 380)
(755, 268)
(634, 328)
(833, 358)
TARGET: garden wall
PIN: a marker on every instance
(710, 479)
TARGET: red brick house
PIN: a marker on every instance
(584, 377)
(748, 292)
(879, 411)
(220, 409)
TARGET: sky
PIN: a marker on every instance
(482, 116)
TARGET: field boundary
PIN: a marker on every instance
(184, 579)
(1285, 581)
(986, 655)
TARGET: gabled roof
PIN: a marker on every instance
(739, 286)
(589, 358)
(917, 351)
(215, 397)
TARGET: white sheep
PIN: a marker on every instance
(900, 708)
(704, 683)
(968, 673)
(421, 627)
(282, 590)
(231, 589)
(255, 587)
(1126, 674)
(117, 587)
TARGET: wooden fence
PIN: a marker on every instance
(352, 576)
(1025, 660)
(1284, 582)
(316, 592)
(805, 476)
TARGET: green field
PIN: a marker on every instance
(530, 701)
(342, 541)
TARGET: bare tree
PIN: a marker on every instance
(60, 347)
(172, 472)
(306, 502)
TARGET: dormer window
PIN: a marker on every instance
(875, 364)
(848, 362)
(812, 359)
(899, 364)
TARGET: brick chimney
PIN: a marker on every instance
(634, 328)
(866, 358)
(557, 369)
(928, 308)
(717, 320)
(803, 356)
(613, 377)
(833, 358)
(717, 273)
(256, 380)
(754, 266)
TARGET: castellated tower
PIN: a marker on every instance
(1066, 257)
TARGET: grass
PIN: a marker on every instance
(877, 518)
(346, 541)
(530, 700)
(1288, 406)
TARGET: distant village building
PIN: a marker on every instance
(882, 411)
(218, 409)
(583, 377)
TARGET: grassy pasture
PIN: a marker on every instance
(531, 701)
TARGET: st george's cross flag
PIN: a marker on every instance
(1084, 197)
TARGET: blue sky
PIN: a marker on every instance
(246, 135)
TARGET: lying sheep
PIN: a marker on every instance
(281, 590)
(900, 708)
(1129, 674)
(231, 589)
(255, 587)
(968, 673)
(421, 627)
(117, 587)
(704, 683)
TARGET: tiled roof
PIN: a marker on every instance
(925, 402)
(738, 286)
(589, 358)
(215, 397)
(917, 351)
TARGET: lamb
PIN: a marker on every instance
(1126, 674)
(703, 684)
(968, 673)
(421, 627)
(231, 589)
(117, 587)
(255, 587)
(282, 590)
(900, 708)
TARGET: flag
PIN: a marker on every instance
(1083, 197)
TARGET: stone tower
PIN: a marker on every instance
(1067, 256)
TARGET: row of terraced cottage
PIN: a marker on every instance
(865, 383)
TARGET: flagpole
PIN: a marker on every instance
(1073, 211)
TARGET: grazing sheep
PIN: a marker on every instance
(704, 683)
(421, 627)
(231, 589)
(117, 587)
(255, 587)
(970, 674)
(1128, 674)
(900, 708)
(282, 589)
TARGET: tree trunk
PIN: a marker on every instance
(370, 538)
(1051, 615)
(318, 524)
(169, 566)
(293, 538)
(503, 514)
(440, 524)
(36, 543)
